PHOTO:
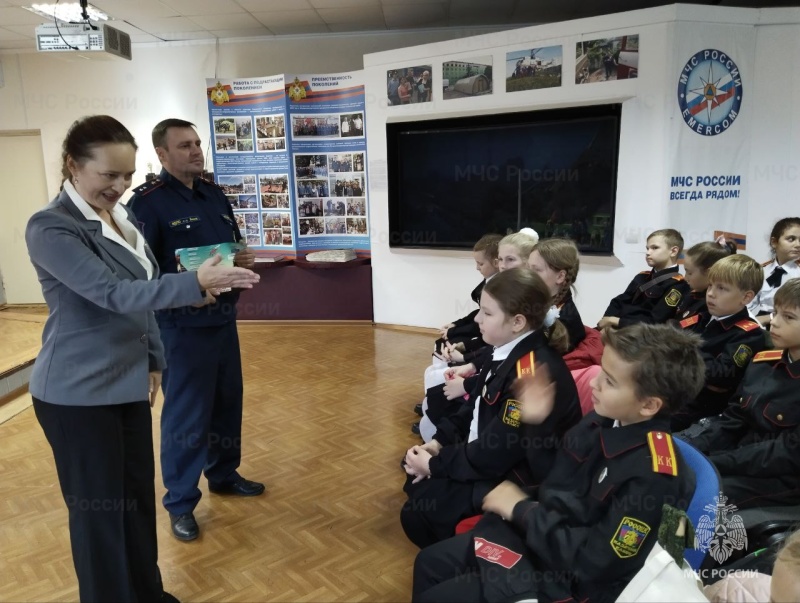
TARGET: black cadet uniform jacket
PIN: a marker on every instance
(727, 347)
(570, 317)
(758, 435)
(651, 303)
(691, 304)
(597, 517)
(465, 328)
(503, 441)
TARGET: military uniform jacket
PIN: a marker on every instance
(503, 441)
(570, 317)
(656, 304)
(728, 345)
(598, 512)
(758, 435)
(173, 216)
(691, 304)
(465, 328)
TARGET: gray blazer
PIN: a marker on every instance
(100, 340)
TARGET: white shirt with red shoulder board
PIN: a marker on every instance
(764, 299)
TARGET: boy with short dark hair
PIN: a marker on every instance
(731, 337)
(653, 295)
(600, 507)
(755, 444)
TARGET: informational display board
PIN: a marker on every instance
(290, 154)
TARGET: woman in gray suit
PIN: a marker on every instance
(99, 369)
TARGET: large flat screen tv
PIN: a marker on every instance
(453, 180)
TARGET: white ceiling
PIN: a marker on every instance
(158, 20)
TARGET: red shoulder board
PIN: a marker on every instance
(663, 452)
(688, 322)
(768, 356)
(678, 277)
(148, 187)
(525, 366)
(747, 324)
(645, 272)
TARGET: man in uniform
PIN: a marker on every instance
(202, 417)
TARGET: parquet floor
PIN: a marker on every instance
(21, 337)
(326, 420)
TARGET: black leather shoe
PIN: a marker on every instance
(238, 487)
(418, 409)
(415, 428)
(184, 526)
(168, 598)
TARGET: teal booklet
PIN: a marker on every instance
(190, 258)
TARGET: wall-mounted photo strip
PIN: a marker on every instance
(409, 85)
(533, 68)
(250, 226)
(351, 125)
(607, 59)
(468, 78)
(270, 133)
(310, 227)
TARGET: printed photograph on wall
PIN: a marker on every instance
(464, 79)
(533, 68)
(607, 59)
(409, 85)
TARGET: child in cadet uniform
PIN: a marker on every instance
(730, 336)
(598, 511)
(653, 295)
(485, 254)
(484, 442)
(696, 263)
(513, 251)
(785, 243)
(755, 444)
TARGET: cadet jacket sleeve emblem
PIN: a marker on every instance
(673, 298)
(629, 537)
(688, 322)
(662, 452)
(768, 356)
(748, 324)
(525, 365)
(742, 355)
(494, 553)
(511, 413)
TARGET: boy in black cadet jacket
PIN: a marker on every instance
(755, 443)
(485, 442)
(653, 295)
(599, 509)
(465, 328)
(730, 336)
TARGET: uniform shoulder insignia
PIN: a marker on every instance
(645, 272)
(688, 322)
(525, 365)
(768, 356)
(148, 187)
(767, 263)
(748, 324)
(211, 182)
(663, 453)
(677, 276)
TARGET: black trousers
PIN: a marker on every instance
(104, 460)
(447, 572)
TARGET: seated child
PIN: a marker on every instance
(485, 254)
(652, 296)
(730, 336)
(696, 263)
(484, 443)
(785, 243)
(599, 509)
(557, 262)
(755, 444)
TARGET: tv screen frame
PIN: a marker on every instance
(600, 232)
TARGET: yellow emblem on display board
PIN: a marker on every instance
(218, 94)
(296, 90)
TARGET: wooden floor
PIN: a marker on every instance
(326, 421)
(21, 337)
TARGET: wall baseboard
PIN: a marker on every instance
(407, 329)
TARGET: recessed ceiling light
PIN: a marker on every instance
(68, 12)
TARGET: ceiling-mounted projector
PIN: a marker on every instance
(90, 40)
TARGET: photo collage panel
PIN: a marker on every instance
(328, 125)
(261, 206)
(270, 133)
(331, 193)
(233, 134)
